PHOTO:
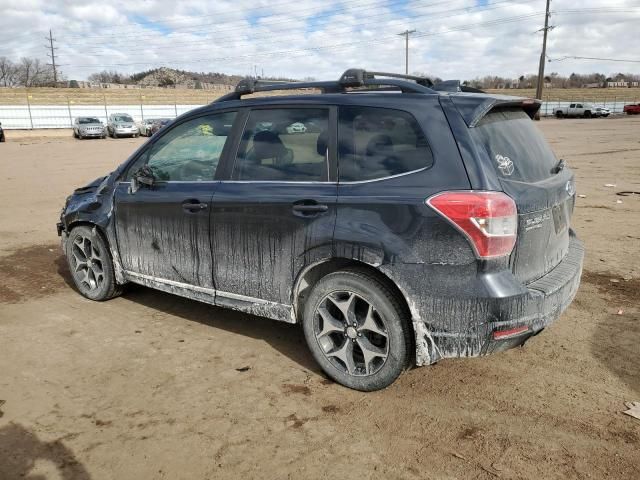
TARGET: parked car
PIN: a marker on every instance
(383, 238)
(296, 127)
(586, 110)
(122, 125)
(159, 124)
(602, 111)
(2, 139)
(633, 109)
(88, 127)
(145, 126)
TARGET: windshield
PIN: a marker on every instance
(88, 120)
(123, 118)
(515, 146)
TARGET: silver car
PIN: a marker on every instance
(122, 125)
(86, 127)
(145, 126)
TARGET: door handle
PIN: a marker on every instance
(193, 206)
(308, 209)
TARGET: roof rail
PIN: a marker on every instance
(352, 78)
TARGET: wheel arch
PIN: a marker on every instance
(309, 276)
(111, 247)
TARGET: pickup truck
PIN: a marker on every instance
(633, 109)
(585, 110)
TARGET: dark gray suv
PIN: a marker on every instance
(399, 222)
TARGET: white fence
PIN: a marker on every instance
(62, 116)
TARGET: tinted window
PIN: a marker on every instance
(190, 151)
(288, 144)
(379, 142)
(515, 146)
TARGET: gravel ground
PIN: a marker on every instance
(150, 385)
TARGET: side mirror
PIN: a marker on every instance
(142, 177)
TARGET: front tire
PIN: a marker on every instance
(90, 264)
(357, 330)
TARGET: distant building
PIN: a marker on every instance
(618, 84)
(592, 85)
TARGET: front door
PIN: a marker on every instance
(277, 211)
(163, 230)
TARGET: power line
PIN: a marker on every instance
(52, 55)
(357, 6)
(365, 22)
(572, 57)
(384, 39)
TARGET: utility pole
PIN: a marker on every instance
(406, 34)
(52, 55)
(543, 55)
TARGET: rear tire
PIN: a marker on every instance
(559, 114)
(587, 114)
(90, 264)
(357, 330)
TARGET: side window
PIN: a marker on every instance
(573, 105)
(189, 152)
(287, 144)
(379, 142)
(579, 105)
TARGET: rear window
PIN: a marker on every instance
(514, 145)
(378, 142)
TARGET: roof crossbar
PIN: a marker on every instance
(352, 78)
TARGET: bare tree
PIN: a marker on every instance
(8, 72)
(106, 76)
(33, 73)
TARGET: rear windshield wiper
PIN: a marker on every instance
(559, 166)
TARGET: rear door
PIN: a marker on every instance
(163, 231)
(275, 212)
(542, 187)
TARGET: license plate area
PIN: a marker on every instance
(559, 218)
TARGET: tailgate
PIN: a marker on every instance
(527, 171)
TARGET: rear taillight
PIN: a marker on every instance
(488, 219)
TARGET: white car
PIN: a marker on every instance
(602, 111)
(122, 125)
(296, 128)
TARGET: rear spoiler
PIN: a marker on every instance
(454, 86)
(474, 107)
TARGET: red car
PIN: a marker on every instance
(632, 109)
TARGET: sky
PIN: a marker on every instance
(454, 39)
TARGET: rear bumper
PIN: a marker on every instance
(469, 327)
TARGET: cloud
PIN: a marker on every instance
(453, 39)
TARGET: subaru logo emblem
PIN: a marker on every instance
(570, 188)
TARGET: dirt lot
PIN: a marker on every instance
(154, 386)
